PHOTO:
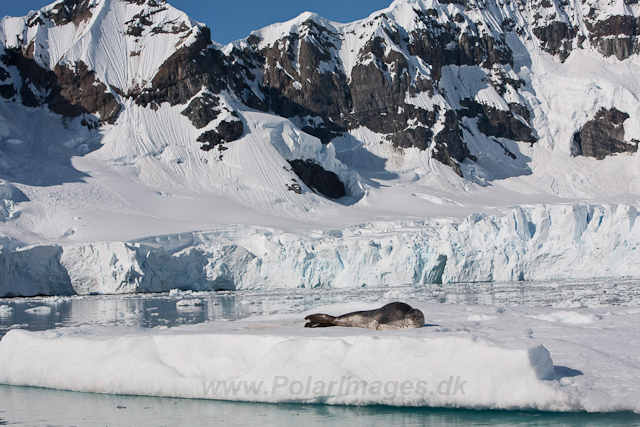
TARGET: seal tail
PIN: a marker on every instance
(320, 321)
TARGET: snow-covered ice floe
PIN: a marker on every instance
(510, 358)
(196, 302)
(540, 243)
(42, 310)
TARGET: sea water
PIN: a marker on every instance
(40, 407)
(33, 406)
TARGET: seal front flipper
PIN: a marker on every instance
(318, 325)
(320, 321)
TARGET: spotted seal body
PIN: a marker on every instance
(396, 315)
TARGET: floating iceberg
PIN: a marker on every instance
(42, 310)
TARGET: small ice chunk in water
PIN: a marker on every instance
(197, 302)
(19, 326)
(5, 310)
(40, 310)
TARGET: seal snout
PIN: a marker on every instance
(319, 321)
(415, 318)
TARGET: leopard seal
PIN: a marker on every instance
(395, 315)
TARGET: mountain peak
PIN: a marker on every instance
(152, 29)
(272, 33)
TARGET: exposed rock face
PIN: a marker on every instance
(227, 131)
(139, 21)
(317, 178)
(294, 186)
(202, 110)
(557, 38)
(243, 69)
(449, 147)
(299, 76)
(71, 89)
(33, 76)
(304, 78)
(67, 91)
(499, 123)
(317, 89)
(7, 91)
(617, 35)
(70, 11)
(611, 34)
(442, 45)
(77, 92)
(230, 130)
(195, 67)
(504, 124)
(379, 89)
(185, 74)
(210, 139)
(604, 135)
(4, 74)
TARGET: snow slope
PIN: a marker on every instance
(475, 357)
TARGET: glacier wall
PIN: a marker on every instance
(539, 243)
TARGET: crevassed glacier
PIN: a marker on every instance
(540, 243)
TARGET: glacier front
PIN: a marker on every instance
(552, 242)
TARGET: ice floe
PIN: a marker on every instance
(515, 361)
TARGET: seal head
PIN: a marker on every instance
(415, 318)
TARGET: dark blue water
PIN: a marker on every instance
(40, 407)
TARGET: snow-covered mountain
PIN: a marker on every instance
(122, 119)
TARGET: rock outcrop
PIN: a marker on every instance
(70, 90)
(317, 178)
(202, 110)
(604, 135)
(615, 36)
(227, 131)
(73, 92)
